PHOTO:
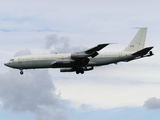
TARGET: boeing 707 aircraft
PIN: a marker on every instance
(85, 60)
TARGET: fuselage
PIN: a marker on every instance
(64, 60)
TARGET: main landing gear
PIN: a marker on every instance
(80, 70)
(21, 72)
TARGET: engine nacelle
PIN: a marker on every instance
(73, 69)
(67, 70)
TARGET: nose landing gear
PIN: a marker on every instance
(21, 72)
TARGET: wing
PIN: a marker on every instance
(90, 52)
(81, 58)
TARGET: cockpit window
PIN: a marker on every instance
(11, 59)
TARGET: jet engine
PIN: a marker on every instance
(67, 69)
(74, 69)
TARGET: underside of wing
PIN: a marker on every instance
(92, 52)
(82, 58)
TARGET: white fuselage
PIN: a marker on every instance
(50, 60)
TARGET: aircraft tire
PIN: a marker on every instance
(21, 72)
(82, 71)
(77, 71)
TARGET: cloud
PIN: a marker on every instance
(61, 44)
(51, 40)
(23, 52)
(152, 103)
(33, 92)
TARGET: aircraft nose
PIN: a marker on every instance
(6, 64)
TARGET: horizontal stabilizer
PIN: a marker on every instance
(143, 51)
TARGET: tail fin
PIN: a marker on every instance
(138, 41)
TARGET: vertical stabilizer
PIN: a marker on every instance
(138, 41)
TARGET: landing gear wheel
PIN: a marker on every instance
(21, 72)
(81, 71)
(77, 71)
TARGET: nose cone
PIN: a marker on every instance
(9, 64)
(6, 64)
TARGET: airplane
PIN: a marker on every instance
(85, 60)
